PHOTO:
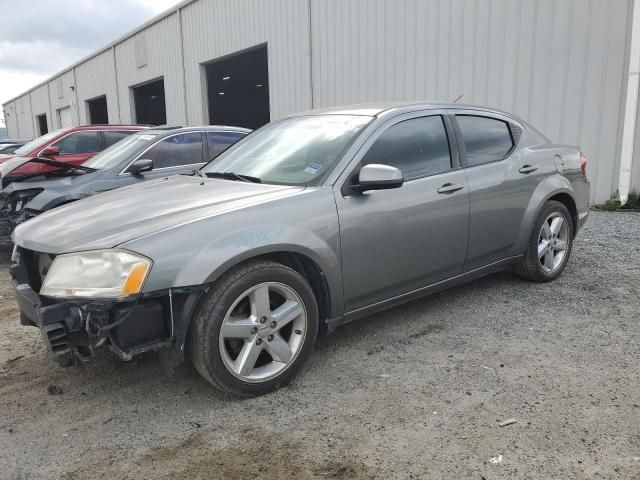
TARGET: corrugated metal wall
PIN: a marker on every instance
(62, 94)
(11, 120)
(94, 78)
(163, 59)
(213, 29)
(559, 64)
(40, 105)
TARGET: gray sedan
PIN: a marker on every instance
(310, 222)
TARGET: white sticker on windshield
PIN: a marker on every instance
(146, 137)
(313, 168)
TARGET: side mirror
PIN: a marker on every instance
(50, 151)
(140, 166)
(378, 177)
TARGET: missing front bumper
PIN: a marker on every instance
(74, 329)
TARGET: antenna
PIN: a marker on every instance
(459, 98)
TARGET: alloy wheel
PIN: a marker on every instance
(263, 332)
(553, 242)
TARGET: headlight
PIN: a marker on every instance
(96, 274)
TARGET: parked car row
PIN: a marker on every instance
(9, 145)
(309, 222)
(143, 155)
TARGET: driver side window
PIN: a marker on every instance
(418, 147)
(79, 142)
(177, 150)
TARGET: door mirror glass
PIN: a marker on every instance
(50, 151)
(140, 166)
(378, 177)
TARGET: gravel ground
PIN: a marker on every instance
(414, 392)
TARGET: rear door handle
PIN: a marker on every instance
(450, 188)
(528, 169)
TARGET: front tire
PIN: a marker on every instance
(255, 329)
(549, 246)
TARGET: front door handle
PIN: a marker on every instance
(450, 188)
(528, 169)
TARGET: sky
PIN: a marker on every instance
(38, 38)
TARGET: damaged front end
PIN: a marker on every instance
(14, 211)
(73, 329)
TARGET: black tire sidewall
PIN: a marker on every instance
(212, 356)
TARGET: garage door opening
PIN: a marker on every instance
(149, 103)
(238, 89)
(98, 111)
(42, 124)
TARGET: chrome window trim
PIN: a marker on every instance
(123, 171)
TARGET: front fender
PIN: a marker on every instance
(45, 200)
(200, 252)
(550, 186)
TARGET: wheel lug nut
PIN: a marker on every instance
(270, 338)
(254, 330)
(263, 319)
(273, 324)
(258, 341)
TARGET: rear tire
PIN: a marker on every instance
(549, 245)
(255, 329)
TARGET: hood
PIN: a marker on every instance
(9, 163)
(6, 156)
(112, 218)
(55, 190)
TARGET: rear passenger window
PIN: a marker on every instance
(79, 142)
(183, 149)
(220, 141)
(485, 139)
(111, 137)
(418, 147)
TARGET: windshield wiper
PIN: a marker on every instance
(63, 165)
(233, 176)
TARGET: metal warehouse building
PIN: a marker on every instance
(567, 66)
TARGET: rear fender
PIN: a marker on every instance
(550, 186)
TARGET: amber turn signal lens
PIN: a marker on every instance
(136, 278)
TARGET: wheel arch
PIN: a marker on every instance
(306, 263)
(554, 187)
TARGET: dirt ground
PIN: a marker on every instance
(415, 392)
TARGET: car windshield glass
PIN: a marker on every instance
(295, 151)
(37, 143)
(121, 151)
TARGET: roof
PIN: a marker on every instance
(213, 128)
(376, 109)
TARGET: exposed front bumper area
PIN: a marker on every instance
(74, 329)
(9, 221)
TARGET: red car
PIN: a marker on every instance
(74, 145)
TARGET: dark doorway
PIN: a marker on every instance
(42, 124)
(238, 89)
(98, 111)
(149, 102)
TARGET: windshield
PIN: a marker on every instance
(121, 151)
(37, 143)
(295, 151)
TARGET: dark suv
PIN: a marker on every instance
(153, 153)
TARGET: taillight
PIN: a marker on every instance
(583, 164)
